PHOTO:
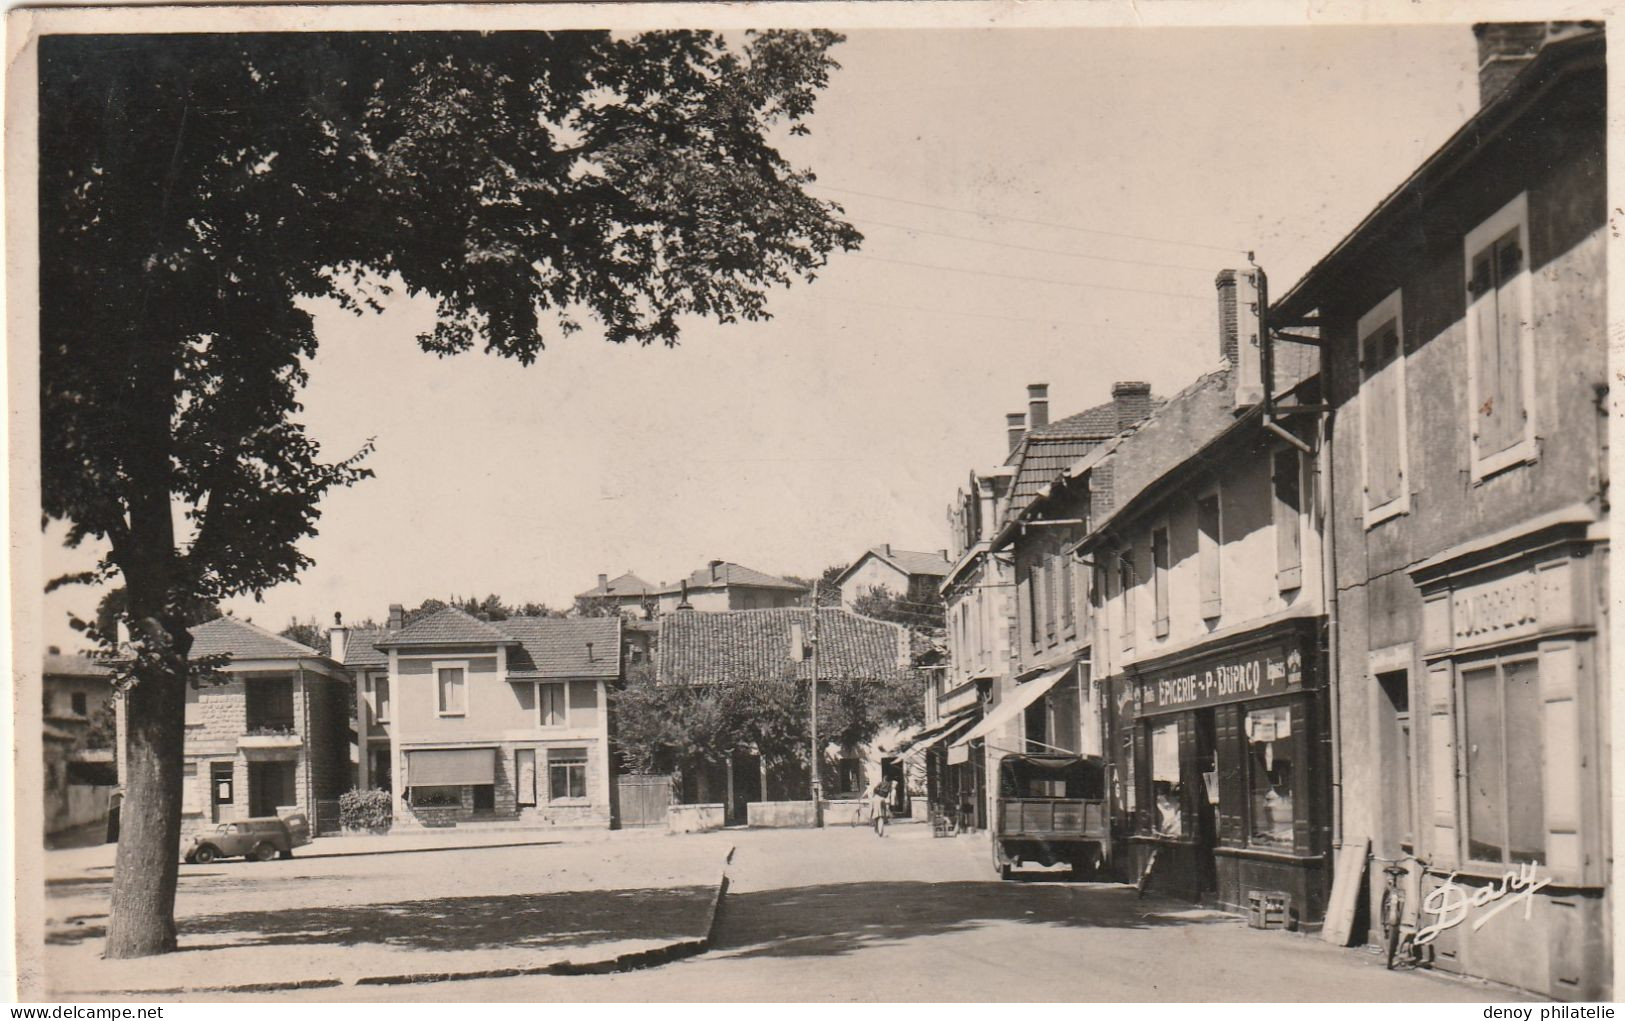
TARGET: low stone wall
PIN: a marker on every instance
(846, 812)
(779, 814)
(694, 818)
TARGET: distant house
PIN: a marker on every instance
(720, 648)
(468, 720)
(273, 738)
(79, 768)
(628, 592)
(721, 585)
(898, 571)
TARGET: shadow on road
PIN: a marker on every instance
(841, 918)
(453, 923)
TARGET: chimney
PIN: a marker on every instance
(1240, 327)
(887, 548)
(1015, 424)
(603, 582)
(1132, 401)
(683, 603)
(942, 553)
(397, 616)
(338, 639)
(1505, 48)
(715, 564)
(589, 652)
(1225, 283)
(55, 650)
(1037, 405)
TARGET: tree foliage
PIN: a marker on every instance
(920, 608)
(196, 191)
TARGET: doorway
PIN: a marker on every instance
(271, 786)
(222, 791)
(744, 785)
(1205, 792)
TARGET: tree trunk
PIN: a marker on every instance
(143, 910)
(142, 915)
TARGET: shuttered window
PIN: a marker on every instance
(1379, 399)
(1207, 554)
(449, 684)
(1125, 586)
(1159, 579)
(1497, 314)
(1503, 761)
(1069, 604)
(1288, 486)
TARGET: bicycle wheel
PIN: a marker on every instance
(1392, 908)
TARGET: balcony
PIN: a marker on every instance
(271, 740)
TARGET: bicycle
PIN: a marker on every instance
(1396, 931)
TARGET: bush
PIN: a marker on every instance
(372, 810)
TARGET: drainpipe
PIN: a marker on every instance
(1328, 584)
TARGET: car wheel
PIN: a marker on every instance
(285, 855)
(1004, 872)
(204, 855)
(262, 852)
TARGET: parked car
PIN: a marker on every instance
(255, 839)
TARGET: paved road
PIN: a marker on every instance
(840, 915)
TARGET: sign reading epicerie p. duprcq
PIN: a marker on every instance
(1247, 674)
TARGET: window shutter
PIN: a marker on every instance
(1144, 821)
(1232, 777)
(1303, 748)
(1510, 315)
(1288, 520)
(1441, 765)
(194, 711)
(1024, 612)
(1207, 544)
(1566, 783)
(1190, 777)
(1486, 319)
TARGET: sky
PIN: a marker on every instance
(1039, 206)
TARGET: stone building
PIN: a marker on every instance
(1463, 333)
(273, 738)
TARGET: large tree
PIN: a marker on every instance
(196, 191)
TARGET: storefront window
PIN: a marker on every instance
(1166, 791)
(1505, 791)
(1270, 768)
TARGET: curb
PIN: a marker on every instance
(632, 961)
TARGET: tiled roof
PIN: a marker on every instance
(627, 584)
(239, 639)
(557, 646)
(1050, 449)
(447, 626)
(359, 650)
(729, 575)
(934, 565)
(58, 665)
(698, 647)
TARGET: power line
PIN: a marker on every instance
(1102, 327)
(1037, 223)
(1033, 248)
(1013, 276)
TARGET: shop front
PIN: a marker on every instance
(1224, 791)
(1515, 819)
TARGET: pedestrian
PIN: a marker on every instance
(880, 805)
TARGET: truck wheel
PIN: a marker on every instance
(1004, 872)
(205, 854)
(262, 852)
(285, 855)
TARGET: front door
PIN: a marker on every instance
(1206, 790)
(222, 791)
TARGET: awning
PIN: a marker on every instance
(933, 735)
(1024, 696)
(451, 767)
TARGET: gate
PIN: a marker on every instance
(644, 799)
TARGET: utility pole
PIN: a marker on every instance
(813, 761)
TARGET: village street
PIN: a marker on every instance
(832, 915)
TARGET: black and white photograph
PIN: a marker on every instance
(812, 503)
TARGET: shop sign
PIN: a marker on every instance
(1496, 610)
(1255, 673)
